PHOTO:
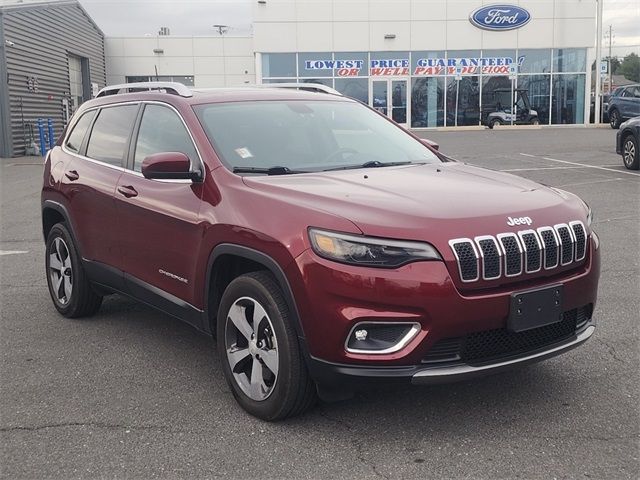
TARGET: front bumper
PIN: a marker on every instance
(351, 377)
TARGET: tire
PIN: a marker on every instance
(614, 119)
(535, 121)
(494, 123)
(270, 395)
(630, 153)
(69, 286)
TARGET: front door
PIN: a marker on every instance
(159, 233)
(389, 97)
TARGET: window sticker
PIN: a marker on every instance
(244, 152)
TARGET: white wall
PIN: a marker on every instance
(213, 61)
(360, 25)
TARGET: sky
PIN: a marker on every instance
(197, 17)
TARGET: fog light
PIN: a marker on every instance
(361, 335)
(380, 337)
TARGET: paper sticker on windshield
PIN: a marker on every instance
(244, 152)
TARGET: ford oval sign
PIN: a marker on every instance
(500, 17)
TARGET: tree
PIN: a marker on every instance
(630, 67)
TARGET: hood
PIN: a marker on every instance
(447, 200)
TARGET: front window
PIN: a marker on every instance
(307, 136)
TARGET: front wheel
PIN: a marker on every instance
(69, 286)
(259, 350)
(535, 121)
(614, 119)
(494, 123)
(630, 154)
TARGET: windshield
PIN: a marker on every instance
(302, 136)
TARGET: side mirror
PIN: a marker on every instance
(430, 143)
(169, 165)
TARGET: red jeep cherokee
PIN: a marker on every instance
(323, 245)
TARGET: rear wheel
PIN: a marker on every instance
(494, 123)
(535, 121)
(630, 154)
(614, 119)
(259, 350)
(69, 286)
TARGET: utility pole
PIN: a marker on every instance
(609, 36)
(598, 90)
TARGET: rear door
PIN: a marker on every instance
(92, 175)
(158, 231)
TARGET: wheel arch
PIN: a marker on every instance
(242, 260)
(55, 212)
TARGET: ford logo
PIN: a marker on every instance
(500, 17)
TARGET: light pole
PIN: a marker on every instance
(598, 89)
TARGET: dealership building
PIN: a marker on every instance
(426, 63)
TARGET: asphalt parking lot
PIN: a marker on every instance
(133, 393)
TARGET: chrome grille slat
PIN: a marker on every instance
(567, 243)
(490, 255)
(511, 254)
(467, 258)
(550, 245)
(532, 250)
(512, 251)
(580, 235)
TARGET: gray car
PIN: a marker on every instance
(624, 104)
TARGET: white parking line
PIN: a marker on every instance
(12, 252)
(537, 168)
(582, 165)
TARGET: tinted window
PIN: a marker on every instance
(110, 134)
(161, 130)
(74, 142)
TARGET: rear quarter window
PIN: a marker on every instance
(110, 134)
(75, 138)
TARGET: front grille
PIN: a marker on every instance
(527, 251)
(480, 347)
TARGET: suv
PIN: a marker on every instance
(323, 246)
(624, 104)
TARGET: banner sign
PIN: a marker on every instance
(423, 66)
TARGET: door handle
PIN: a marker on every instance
(72, 175)
(128, 191)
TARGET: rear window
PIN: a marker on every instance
(110, 134)
(74, 141)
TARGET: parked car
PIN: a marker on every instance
(627, 141)
(324, 246)
(624, 104)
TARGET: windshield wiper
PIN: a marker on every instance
(371, 164)
(268, 171)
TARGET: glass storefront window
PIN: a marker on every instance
(280, 80)
(538, 89)
(468, 101)
(279, 65)
(315, 64)
(535, 61)
(357, 88)
(421, 64)
(569, 60)
(348, 63)
(568, 99)
(389, 64)
(427, 102)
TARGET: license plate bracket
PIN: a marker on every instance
(535, 308)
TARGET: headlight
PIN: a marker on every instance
(589, 213)
(368, 251)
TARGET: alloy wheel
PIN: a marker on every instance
(252, 348)
(61, 271)
(629, 152)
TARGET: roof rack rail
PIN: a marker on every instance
(174, 88)
(311, 87)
